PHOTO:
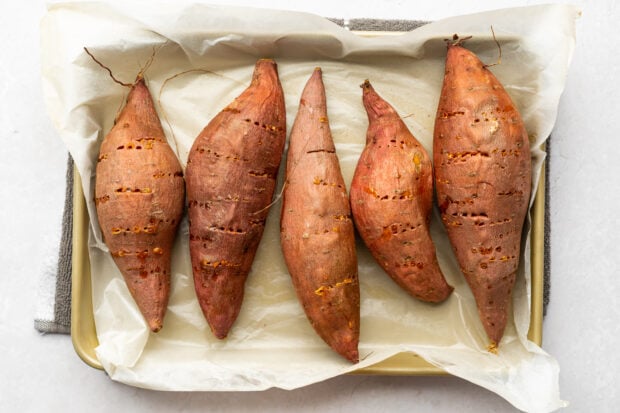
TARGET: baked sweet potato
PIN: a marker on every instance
(139, 197)
(391, 201)
(317, 234)
(231, 176)
(483, 179)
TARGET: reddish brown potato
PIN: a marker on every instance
(391, 200)
(483, 178)
(231, 176)
(317, 235)
(139, 197)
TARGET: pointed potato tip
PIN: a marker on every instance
(352, 355)
(495, 332)
(317, 74)
(221, 335)
(366, 85)
(264, 67)
(266, 60)
(220, 330)
(347, 348)
(155, 325)
(456, 41)
(493, 347)
(139, 79)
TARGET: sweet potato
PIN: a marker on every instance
(317, 235)
(391, 200)
(139, 197)
(231, 176)
(483, 178)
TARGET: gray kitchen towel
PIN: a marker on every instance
(54, 306)
(58, 320)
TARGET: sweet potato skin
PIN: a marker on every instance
(483, 179)
(139, 198)
(317, 234)
(231, 176)
(391, 201)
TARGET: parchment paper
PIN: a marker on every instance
(212, 50)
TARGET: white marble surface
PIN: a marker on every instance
(43, 373)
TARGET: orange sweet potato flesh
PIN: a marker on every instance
(317, 234)
(139, 197)
(391, 201)
(483, 178)
(231, 176)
